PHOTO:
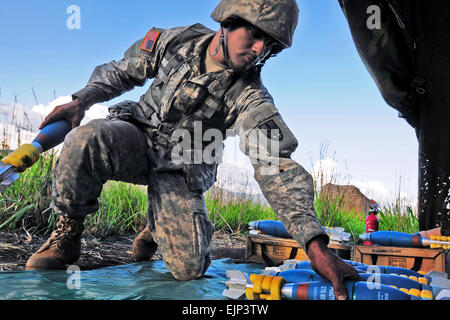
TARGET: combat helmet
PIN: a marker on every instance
(277, 18)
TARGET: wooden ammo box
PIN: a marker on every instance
(272, 251)
(417, 259)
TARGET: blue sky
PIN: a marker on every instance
(320, 85)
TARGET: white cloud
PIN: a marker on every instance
(19, 115)
(373, 189)
(97, 111)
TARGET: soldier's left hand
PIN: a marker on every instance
(330, 266)
(73, 111)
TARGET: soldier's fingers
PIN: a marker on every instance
(352, 274)
(340, 291)
(56, 114)
(49, 119)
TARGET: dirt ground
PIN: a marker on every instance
(15, 249)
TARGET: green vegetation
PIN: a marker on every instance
(232, 214)
(397, 220)
(25, 206)
(394, 218)
(122, 210)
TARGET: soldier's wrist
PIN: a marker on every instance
(80, 104)
(88, 96)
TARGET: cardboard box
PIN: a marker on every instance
(272, 251)
(417, 259)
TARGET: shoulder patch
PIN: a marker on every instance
(149, 41)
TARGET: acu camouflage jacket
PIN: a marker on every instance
(181, 93)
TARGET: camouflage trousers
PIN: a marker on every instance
(105, 150)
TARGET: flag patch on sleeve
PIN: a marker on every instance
(149, 41)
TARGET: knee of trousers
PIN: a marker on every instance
(189, 269)
(92, 135)
(188, 258)
(80, 171)
(88, 149)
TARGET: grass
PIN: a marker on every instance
(332, 214)
(398, 220)
(122, 209)
(233, 214)
(25, 204)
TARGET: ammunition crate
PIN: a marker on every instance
(417, 259)
(272, 251)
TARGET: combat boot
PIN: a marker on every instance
(62, 248)
(144, 246)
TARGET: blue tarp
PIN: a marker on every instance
(140, 281)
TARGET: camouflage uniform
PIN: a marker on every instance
(133, 145)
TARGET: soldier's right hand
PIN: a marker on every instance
(73, 111)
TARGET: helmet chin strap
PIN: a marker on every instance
(223, 43)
